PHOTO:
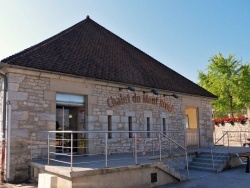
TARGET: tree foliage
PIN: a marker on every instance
(228, 79)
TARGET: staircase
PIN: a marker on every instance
(203, 162)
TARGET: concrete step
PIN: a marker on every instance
(215, 153)
(208, 165)
(199, 168)
(205, 160)
(216, 156)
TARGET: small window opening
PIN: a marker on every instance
(153, 177)
(164, 126)
(130, 126)
(148, 127)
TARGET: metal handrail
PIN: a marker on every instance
(220, 149)
(173, 141)
(176, 157)
(239, 133)
(154, 145)
(222, 137)
(107, 131)
(241, 161)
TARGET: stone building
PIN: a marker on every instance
(100, 82)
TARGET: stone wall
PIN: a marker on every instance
(235, 136)
(138, 109)
(205, 123)
(32, 96)
(31, 112)
(204, 111)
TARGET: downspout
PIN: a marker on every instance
(3, 127)
(8, 141)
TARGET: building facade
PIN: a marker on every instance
(50, 87)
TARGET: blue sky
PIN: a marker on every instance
(181, 34)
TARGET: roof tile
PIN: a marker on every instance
(89, 50)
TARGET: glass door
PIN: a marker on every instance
(70, 116)
(66, 120)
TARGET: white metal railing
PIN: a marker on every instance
(229, 139)
(176, 155)
(238, 138)
(105, 151)
(219, 149)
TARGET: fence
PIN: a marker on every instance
(108, 148)
(230, 141)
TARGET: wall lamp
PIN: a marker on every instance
(154, 91)
(173, 95)
(130, 88)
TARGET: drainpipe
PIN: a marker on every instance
(3, 127)
(8, 141)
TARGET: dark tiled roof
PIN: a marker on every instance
(88, 49)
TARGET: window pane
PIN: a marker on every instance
(69, 99)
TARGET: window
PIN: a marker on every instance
(191, 117)
(109, 126)
(68, 99)
(164, 126)
(148, 127)
(70, 115)
(130, 126)
(187, 121)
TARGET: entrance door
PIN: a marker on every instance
(66, 118)
(70, 116)
(192, 130)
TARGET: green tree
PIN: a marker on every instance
(228, 79)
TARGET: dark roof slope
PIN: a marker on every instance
(88, 49)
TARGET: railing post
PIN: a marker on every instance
(198, 139)
(187, 163)
(240, 142)
(31, 147)
(106, 150)
(48, 148)
(223, 139)
(170, 147)
(133, 144)
(160, 145)
(228, 142)
(135, 148)
(240, 139)
(71, 152)
(212, 156)
(153, 143)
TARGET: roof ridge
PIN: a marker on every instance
(45, 42)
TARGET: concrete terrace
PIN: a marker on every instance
(86, 165)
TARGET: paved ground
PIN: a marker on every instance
(232, 178)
